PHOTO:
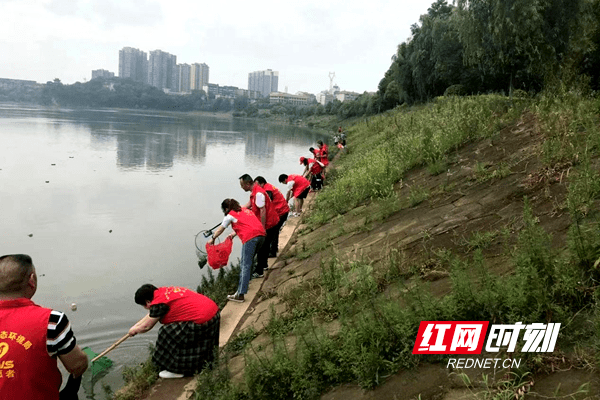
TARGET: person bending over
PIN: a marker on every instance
(252, 234)
(190, 333)
(298, 187)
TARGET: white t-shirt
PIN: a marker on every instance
(260, 200)
(290, 185)
(229, 219)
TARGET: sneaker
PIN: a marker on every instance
(238, 298)
(169, 375)
(257, 275)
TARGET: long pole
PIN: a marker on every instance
(118, 342)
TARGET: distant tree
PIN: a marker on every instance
(239, 103)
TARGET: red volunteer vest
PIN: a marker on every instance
(281, 206)
(248, 226)
(317, 154)
(315, 168)
(300, 184)
(27, 372)
(272, 216)
(184, 305)
(324, 155)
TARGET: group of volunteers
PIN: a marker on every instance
(258, 222)
(33, 338)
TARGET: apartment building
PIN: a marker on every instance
(198, 76)
(264, 82)
(133, 64)
(162, 70)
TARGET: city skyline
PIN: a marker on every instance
(67, 39)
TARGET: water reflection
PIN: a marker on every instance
(114, 198)
(153, 142)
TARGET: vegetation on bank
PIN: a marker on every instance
(377, 333)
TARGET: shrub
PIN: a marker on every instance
(455, 90)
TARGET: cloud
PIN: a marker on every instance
(128, 13)
(109, 13)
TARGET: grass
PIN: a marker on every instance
(137, 381)
(218, 285)
(395, 142)
(378, 306)
(376, 336)
(484, 171)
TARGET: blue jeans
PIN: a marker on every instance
(249, 249)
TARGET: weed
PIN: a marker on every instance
(483, 171)
(237, 344)
(217, 288)
(437, 166)
(417, 195)
(481, 240)
(137, 380)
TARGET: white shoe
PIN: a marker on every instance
(169, 375)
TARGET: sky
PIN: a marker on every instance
(303, 40)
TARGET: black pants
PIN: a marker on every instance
(316, 182)
(263, 254)
(275, 243)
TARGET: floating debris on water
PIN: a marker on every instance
(30, 235)
(73, 307)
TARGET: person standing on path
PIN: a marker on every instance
(263, 208)
(298, 187)
(32, 338)
(281, 207)
(252, 234)
(187, 340)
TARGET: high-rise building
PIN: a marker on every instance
(162, 70)
(183, 73)
(133, 63)
(264, 82)
(198, 76)
(102, 73)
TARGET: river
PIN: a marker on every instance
(107, 200)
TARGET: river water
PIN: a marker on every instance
(107, 200)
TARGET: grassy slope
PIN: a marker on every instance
(353, 317)
(479, 208)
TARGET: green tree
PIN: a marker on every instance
(521, 39)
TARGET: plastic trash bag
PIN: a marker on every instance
(218, 254)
